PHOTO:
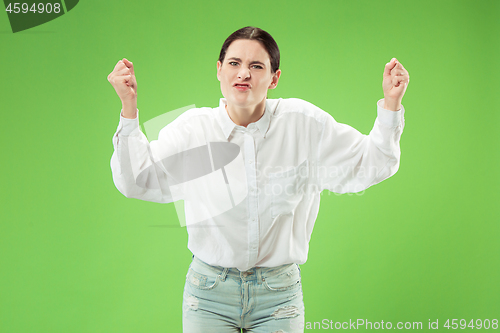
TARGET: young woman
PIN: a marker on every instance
(251, 172)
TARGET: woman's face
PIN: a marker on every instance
(245, 76)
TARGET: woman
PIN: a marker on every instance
(251, 172)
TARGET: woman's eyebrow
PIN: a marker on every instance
(251, 63)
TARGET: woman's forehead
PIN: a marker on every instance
(246, 49)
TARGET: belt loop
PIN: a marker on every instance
(224, 274)
(258, 272)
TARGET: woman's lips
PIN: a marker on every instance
(242, 86)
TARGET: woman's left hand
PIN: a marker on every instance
(396, 79)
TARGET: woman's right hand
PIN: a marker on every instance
(122, 78)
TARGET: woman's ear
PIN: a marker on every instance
(275, 79)
(219, 65)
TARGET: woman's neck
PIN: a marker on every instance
(244, 116)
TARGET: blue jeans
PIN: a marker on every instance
(260, 300)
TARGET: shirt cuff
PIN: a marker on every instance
(128, 125)
(387, 117)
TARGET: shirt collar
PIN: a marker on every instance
(228, 125)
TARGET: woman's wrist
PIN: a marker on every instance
(392, 105)
(129, 110)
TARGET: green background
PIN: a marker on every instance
(77, 256)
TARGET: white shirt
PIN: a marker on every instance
(252, 194)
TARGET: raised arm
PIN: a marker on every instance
(350, 161)
(135, 164)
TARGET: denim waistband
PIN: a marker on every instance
(255, 273)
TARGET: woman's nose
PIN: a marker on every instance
(243, 73)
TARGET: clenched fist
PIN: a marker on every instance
(396, 79)
(122, 78)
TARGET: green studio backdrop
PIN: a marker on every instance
(423, 246)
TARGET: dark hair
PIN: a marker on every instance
(257, 34)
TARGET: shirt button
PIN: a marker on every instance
(250, 162)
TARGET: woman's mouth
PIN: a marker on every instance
(241, 86)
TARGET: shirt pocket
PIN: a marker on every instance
(287, 189)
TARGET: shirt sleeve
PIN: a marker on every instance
(136, 166)
(349, 162)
